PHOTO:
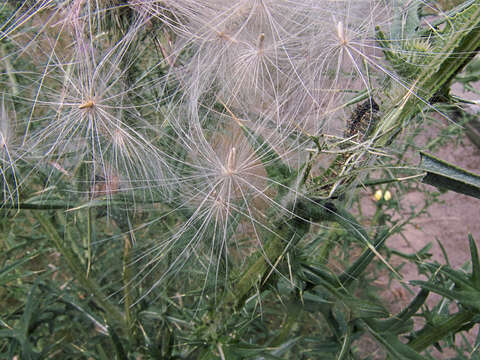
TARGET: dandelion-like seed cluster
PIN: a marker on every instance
(178, 106)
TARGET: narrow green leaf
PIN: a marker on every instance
(284, 347)
(421, 254)
(398, 349)
(99, 324)
(445, 175)
(117, 344)
(362, 95)
(469, 298)
(360, 308)
(397, 321)
(74, 264)
(346, 344)
(30, 312)
(460, 278)
(7, 269)
(101, 353)
(364, 309)
(31, 307)
(395, 348)
(475, 262)
(354, 271)
(350, 223)
(318, 276)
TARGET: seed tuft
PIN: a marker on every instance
(87, 105)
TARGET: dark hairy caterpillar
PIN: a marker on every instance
(359, 127)
(363, 120)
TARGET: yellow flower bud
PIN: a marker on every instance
(378, 195)
(387, 196)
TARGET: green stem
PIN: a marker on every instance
(127, 280)
(25, 206)
(288, 230)
(267, 258)
(90, 232)
(434, 76)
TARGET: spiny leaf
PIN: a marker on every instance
(396, 323)
(395, 348)
(470, 298)
(406, 21)
(448, 176)
(429, 336)
(460, 278)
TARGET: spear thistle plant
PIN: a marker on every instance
(188, 167)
